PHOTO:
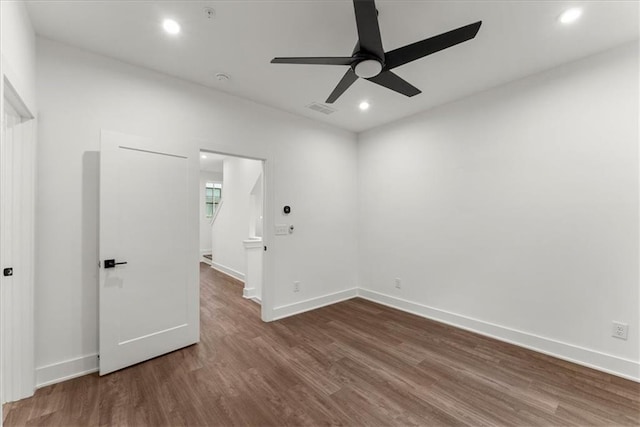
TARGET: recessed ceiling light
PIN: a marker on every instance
(364, 105)
(570, 15)
(204, 156)
(171, 26)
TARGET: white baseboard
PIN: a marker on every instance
(313, 303)
(608, 363)
(204, 252)
(625, 368)
(62, 371)
(249, 293)
(228, 271)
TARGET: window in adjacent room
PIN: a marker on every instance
(212, 195)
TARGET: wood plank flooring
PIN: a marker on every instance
(354, 363)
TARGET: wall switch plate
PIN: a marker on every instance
(296, 286)
(620, 330)
(282, 229)
(398, 283)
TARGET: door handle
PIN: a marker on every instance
(110, 263)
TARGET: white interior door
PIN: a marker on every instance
(17, 207)
(150, 304)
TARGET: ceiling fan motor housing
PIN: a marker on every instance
(368, 67)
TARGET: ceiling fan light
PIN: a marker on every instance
(368, 68)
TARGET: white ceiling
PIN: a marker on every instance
(517, 38)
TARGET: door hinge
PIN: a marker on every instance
(265, 248)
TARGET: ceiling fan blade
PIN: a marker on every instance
(347, 80)
(417, 50)
(396, 83)
(368, 28)
(319, 60)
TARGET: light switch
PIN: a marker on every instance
(282, 229)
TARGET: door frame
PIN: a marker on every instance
(22, 337)
(268, 209)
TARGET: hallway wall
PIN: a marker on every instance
(232, 225)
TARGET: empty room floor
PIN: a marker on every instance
(353, 363)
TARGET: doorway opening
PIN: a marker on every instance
(232, 219)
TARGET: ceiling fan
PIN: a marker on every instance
(370, 61)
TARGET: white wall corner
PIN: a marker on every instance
(313, 303)
(608, 363)
(66, 370)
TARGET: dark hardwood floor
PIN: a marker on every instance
(354, 363)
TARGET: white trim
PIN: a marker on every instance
(267, 293)
(12, 97)
(608, 363)
(249, 293)
(264, 154)
(313, 303)
(228, 271)
(624, 368)
(203, 259)
(62, 371)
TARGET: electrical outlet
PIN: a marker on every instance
(296, 286)
(398, 283)
(620, 330)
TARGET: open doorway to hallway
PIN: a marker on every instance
(231, 218)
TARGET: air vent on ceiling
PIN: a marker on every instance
(321, 108)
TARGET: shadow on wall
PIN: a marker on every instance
(90, 241)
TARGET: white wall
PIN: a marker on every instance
(80, 93)
(205, 223)
(233, 221)
(515, 211)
